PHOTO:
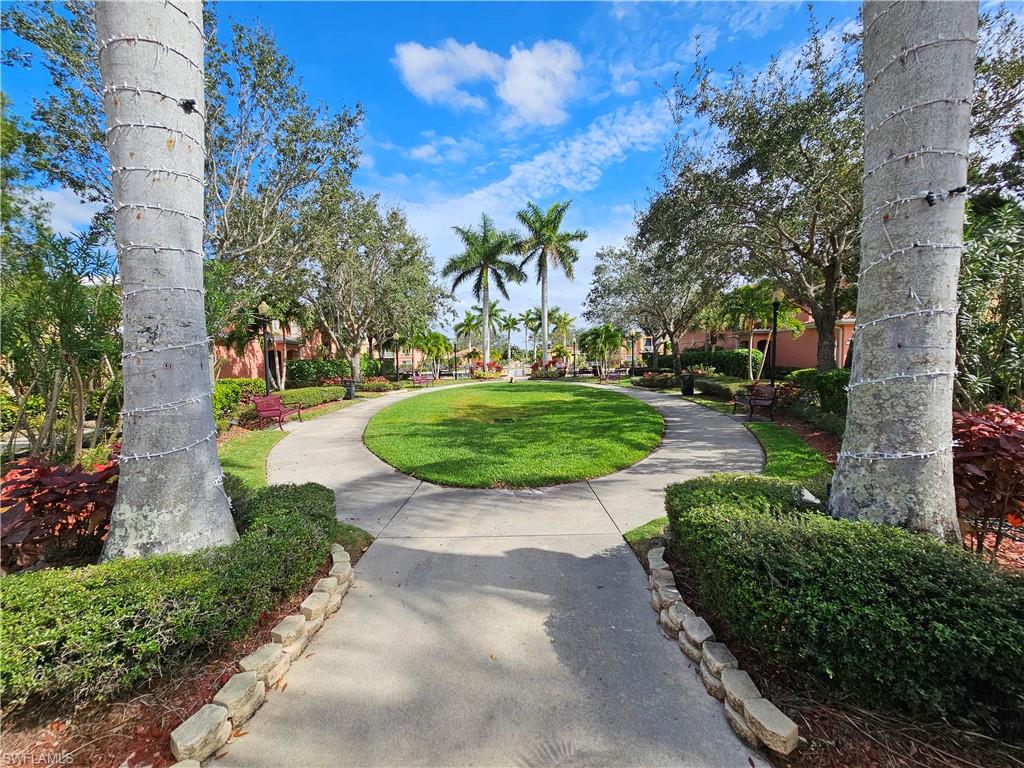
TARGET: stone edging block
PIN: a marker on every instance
(753, 719)
(209, 729)
(202, 734)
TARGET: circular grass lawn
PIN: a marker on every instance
(514, 435)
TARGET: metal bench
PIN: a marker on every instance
(756, 396)
(419, 380)
(271, 408)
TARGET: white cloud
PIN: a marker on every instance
(535, 83)
(538, 81)
(434, 74)
(68, 214)
(566, 169)
(444, 149)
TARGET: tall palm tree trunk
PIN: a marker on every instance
(170, 496)
(485, 294)
(544, 308)
(896, 463)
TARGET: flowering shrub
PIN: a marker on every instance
(51, 510)
(655, 380)
(479, 373)
(988, 471)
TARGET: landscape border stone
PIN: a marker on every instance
(754, 719)
(210, 728)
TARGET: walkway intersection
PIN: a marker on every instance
(496, 627)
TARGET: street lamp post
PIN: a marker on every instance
(264, 312)
(574, 357)
(777, 298)
(632, 354)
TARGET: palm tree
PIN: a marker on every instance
(546, 244)
(483, 260)
(896, 463)
(633, 338)
(464, 329)
(170, 497)
(436, 347)
(495, 314)
(531, 322)
(507, 324)
(600, 343)
(561, 323)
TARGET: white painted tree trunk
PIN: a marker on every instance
(486, 316)
(896, 463)
(544, 307)
(170, 496)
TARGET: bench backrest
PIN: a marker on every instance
(763, 391)
(268, 404)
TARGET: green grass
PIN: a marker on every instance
(514, 435)
(787, 457)
(245, 456)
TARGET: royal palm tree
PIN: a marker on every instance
(561, 323)
(547, 245)
(531, 323)
(170, 497)
(485, 259)
(507, 325)
(465, 328)
(494, 315)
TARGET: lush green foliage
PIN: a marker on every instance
(825, 390)
(990, 320)
(514, 435)
(728, 362)
(228, 395)
(891, 618)
(310, 373)
(655, 381)
(96, 631)
(721, 386)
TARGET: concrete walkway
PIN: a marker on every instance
(496, 627)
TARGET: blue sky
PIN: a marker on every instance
(474, 107)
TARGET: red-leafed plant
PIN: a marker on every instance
(988, 470)
(54, 512)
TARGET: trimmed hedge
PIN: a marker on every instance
(655, 381)
(721, 386)
(730, 362)
(893, 619)
(309, 373)
(228, 394)
(825, 390)
(93, 632)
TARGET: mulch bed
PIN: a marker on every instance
(836, 734)
(135, 731)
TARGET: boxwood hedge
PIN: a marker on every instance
(893, 619)
(97, 631)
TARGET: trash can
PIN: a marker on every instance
(350, 390)
(686, 383)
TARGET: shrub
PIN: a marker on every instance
(226, 397)
(893, 619)
(479, 373)
(546, 373)
(729, 362)
(35, 407)
(249, 388)
(377, 384)
(310, 373)
(720, 386)
(53, 512)
(988, 471)
(655, 381)
(826, 390)
(95, 631)
(310, 397)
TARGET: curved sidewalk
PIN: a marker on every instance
(496, 627)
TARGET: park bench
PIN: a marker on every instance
(421, 380)
(756, 396)
(618, 373)
(271, 408)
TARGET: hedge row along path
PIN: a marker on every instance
(497, 627)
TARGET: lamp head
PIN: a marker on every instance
(778, 295)
(263, 308)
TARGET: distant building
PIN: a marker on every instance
(793, 351)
